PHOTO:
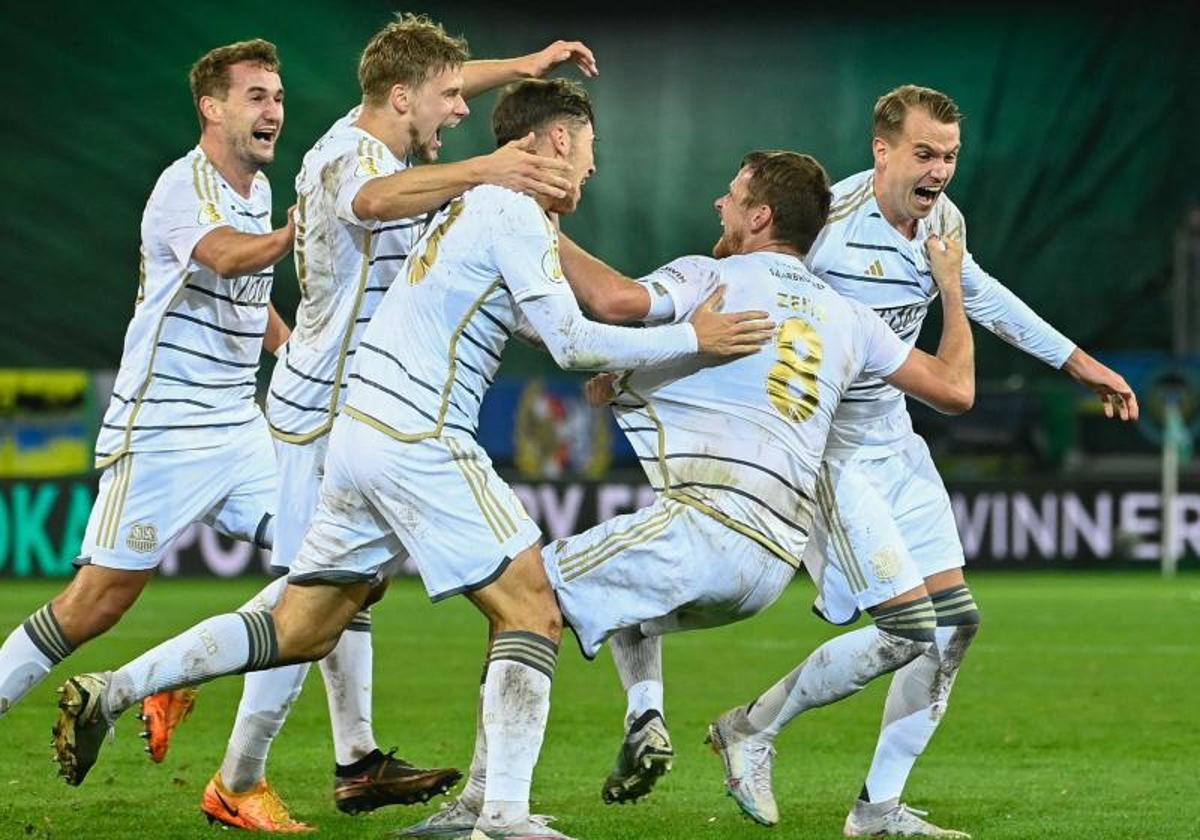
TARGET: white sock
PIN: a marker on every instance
(267, 697)
(347, 672)
(838, 668)
(225, 644)
(476, 787)
(916, 701)
(516, 704)
(639, 664)
(22, 667)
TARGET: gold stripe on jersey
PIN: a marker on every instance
(847, 208)
(419, 268)
(109, 501)
(850, 198)
(141, 294)
(196, 179)
(839, 538)
(364, 272)
(141, 392)
(436, 431)
(493, 512)
(687, 499)
(582, 562)
(298, 244)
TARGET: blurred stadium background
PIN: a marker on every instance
(1078, 180)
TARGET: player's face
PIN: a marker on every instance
(918, 166)
(582, 157)
(251, 115)
(734, 212)
(436, 103)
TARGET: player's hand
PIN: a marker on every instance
(733, 334)
(601, 389)
(945, 262)
(540, 63)
(1118, 398)
(515, 166)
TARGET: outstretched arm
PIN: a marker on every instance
(602, 290)
(231, 253)
(945, 381)
(421, 189)
(481, 76)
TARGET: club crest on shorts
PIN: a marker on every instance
(142, 538)
(886, 562)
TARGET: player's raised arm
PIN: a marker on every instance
(231, 253)
(945, 381)
(420, 189)
(482, 76)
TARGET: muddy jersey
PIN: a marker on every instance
(344, 265)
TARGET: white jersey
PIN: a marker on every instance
(863, 257)
(434, 345)
(742, 441)
(487, 266)
(187, 375)
(344, 265)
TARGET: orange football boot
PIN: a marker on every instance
(161, 713)
(258, 809)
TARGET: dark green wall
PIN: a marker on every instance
(1080, 140)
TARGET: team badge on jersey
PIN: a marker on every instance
(210, 214)
(142, 538)
(551, 264)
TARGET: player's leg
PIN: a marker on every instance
(919, 693)
(144, 500)
(859, 564)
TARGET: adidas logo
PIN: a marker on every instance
(875, 269)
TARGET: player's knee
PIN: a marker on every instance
(955, 607)
(906, 631)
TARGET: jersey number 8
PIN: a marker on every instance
(795, 371)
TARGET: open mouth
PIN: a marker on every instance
(927, 195)
(265, 134)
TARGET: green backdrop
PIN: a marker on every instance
(1079, 158)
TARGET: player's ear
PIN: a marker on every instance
(560, 140)
(760, 218)
(210, 107)
(879, 148)
(400, 98)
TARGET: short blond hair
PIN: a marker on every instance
(407, 51)
(893, 107)
(210, 75)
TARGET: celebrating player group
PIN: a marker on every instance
(762, 389)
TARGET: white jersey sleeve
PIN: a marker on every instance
(186, 212)
(371, 161)
(993, 306)
(883, 351)
(525, 249)
(678, 287)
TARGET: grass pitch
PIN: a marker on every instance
(1075, 716)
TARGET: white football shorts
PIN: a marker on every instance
(147, 498)
(438, 500)
(664, 568)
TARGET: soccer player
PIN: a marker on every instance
(734, 451)
(404, 475)
(883, 512)
(361, 207)
(183, 440)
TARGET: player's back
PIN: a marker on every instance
(434, 345)
(744, 439)
(344, 266)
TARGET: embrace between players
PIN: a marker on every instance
(762, 390)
